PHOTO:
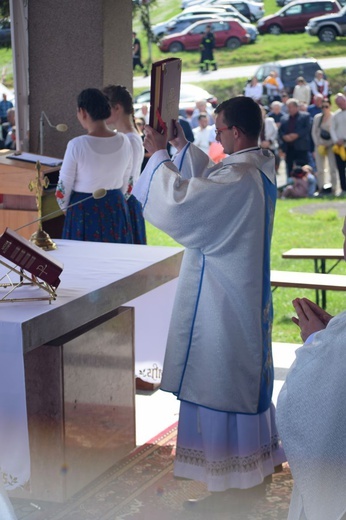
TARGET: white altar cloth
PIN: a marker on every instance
(89, 279)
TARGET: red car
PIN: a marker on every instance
(295, 16)
(228, 33)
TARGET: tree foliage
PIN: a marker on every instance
(141, 9)
(4, 8)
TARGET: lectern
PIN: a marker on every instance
(19, 205)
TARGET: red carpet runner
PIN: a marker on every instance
(142, 487)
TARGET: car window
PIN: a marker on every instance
(314, 7)
(293, 10)
(307, 70)
(328, 7)
(242, 8)
(264, 71)
(260, 74)
(289, 73)
(199, 29)
(220, 26)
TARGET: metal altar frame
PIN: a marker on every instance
(24, 279)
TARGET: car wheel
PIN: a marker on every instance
(176, 47)
(232, 43)
(274, 29)
(252, 18)
(327, 34)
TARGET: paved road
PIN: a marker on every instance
(235, 72)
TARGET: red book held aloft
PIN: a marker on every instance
(26, 255)
(165, 94)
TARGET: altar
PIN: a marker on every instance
(67, 376)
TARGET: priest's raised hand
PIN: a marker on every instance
(153, 140)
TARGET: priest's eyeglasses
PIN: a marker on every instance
(218, 131)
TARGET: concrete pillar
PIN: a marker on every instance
(73, 44)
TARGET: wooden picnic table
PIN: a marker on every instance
(320, 257)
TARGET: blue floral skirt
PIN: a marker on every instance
(98, 220)
(137, 220)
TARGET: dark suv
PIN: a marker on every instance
(289, 70)
(328, 27)
(294, 16)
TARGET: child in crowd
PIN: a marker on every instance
(312, 181)
(303, 183)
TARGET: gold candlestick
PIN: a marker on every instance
(40, 238)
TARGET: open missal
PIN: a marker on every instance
(165, 94)
(25, 255)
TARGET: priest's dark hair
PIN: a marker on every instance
(95, 103)
(242, 112)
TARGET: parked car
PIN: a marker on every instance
(295, 16)
(328, 27)
(5, 33)
(281, 3)
(189, 94)
(160, 29)
(228, 34)
(252, 10)
(289, 71)
(180, 25)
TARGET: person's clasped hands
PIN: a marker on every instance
(311, 318)
(154, 141)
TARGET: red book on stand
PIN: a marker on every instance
(164, 94)
(26, 255)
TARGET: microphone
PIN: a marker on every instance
(61, 127)
(97, 194)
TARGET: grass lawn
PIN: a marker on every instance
(267, 48)
(293, 228)
(6, 66)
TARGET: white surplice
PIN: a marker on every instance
(312, 424)
(218, 359)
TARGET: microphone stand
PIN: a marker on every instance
(60, 128)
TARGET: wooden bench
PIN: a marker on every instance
(320, 257)
(316, 281)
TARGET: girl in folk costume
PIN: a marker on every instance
(122, 118)
(100, 159)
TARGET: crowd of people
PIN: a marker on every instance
(7, 124)
(299, 128)
(308, 134)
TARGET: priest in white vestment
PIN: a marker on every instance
(311, 415)
(218, 359)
